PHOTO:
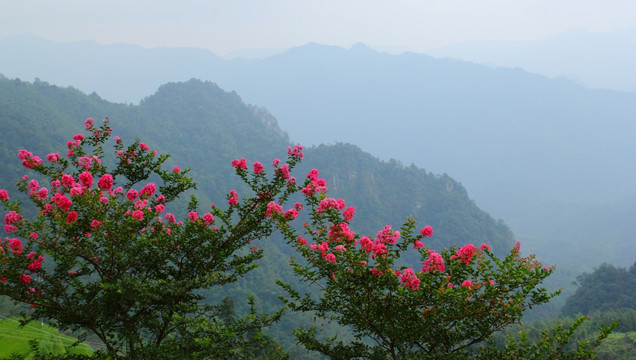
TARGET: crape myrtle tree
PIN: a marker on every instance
(445, 307)
(105, 258)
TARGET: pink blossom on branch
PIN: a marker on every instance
(105, 182)
(273, 208)
(409, 279)
(465, 253)
(233, 200)
(258, 167)
(435, 262)
(148, 190)
(71, 217)
(208, 218)
(427, 231)
(239, 164)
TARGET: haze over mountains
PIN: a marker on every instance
(548, 156)
(596, 60)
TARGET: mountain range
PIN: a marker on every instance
(550, 157)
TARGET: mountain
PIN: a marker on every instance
(205, 127)
(523, 145)
(596, 60)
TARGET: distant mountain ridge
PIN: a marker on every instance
(204, 128)
(597, 60)
(522, 144)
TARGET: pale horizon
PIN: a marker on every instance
(224, 27)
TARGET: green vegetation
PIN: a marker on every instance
(206, 128)
(15, 339)
(606, 288)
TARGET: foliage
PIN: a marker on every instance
(551, 345)
(15, 339)
(458, 298)
(107, 259)
(606, 288)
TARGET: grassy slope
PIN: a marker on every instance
(15, 339)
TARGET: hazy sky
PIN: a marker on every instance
(227, 25)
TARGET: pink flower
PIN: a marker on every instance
(208, 218)
(4, 195)
(144, 147)
(103, 200)
(348, 213)
(53, 157)
(62, 201)
(105, 182)
(43, 193)
(67, 180)
(84, 162)
(467, 284)
(160, 199)
(258, 167)
(176, 169)
(170, 217)
(330, 258)
(435, 262)
(301, 240)
(148, 190)
(24, 154)
(275, 162)
(16, 246)
(78, 137)
(71, 217)
(296, 151)
(76, 191)
(86, 179)
(36, 265)
(25, 279)
(193, 216)
(233, 199)
(138, 215)
(140, 204)
(132, 194)
(484, 246)
(12, 217)
(284, 171)
(159, 208)
(418, 244)
(273, 208)
(291, 214)
(96, 223)
(239, 164)
(379, 249)
(387, 235)
(34, 236)
(88, 124)
(366, 244)
(312, 174)
(427, 231)
(330, 203)
(409, 279)
(465, 253)
(341, 248)
(10, 228)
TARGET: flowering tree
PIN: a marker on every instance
(439, 308)
(104, 257)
